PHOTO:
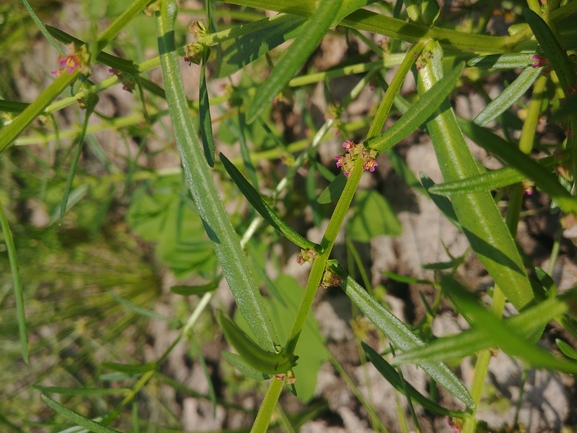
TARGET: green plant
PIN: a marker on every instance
(185, 215)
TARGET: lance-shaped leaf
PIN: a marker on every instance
(77, 418)
(81, 391)
(399, 334)
(542, 177)
(303, 46)
(552, 49)
(477, 212)
(210, 208)
(144, 311)
(262, 208)
(204, 111)
(503, 61)
(195, 290)
(418, 113)
(488, 181)
(249, 47)
(332, 192)
(567, 350)
(473, 340)
(501, 334)
(509, 96)
(392, 376)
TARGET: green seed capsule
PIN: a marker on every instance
(253, 354)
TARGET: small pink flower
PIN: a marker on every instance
(339, 160)
(539, 61)
(348, 145)
(77, 59)
(370, 165)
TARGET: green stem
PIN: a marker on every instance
(265, 412)
(481, 369)
(532, 118)
(327, 243)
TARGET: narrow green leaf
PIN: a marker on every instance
(552, 49)
(75, 196)
(567, 350)
(130, 368)
(509, 96)
(405, 279)
(77, 418)
(542, 177)
(503, 61)
(237, 362)
(195, 290)
(80, 391)
(249, 47)
(12, 106)
(424, 12)
(392, 376)
(418, 113)
(42, 27)
(482, 182)
(210, 208)
(311, 34)
(491, 180)
(477, 213)
(204, 112)
(501, 334)
(394, 28)
(347, 8)
(18, 292)
(144, 312)
(262, 208)
(91, 102)
(332, 192)
(468, 342)
(399, 334)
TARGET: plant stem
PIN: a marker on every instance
(265, 412)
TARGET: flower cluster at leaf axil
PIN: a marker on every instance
(330, 280)
(352, 153)
(78, 58)
(307, 256)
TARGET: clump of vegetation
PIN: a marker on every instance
(88, 225)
